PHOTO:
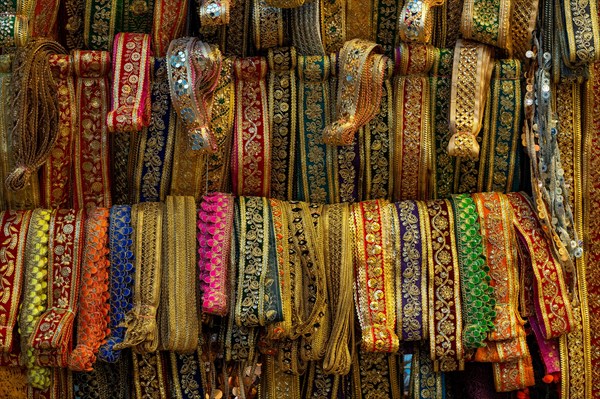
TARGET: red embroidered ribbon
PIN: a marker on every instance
(13, 233)
(52, 336)
(551, 298)
(91, 166)
(92, 321)
(56, 184)
(251, 158)
(169, 21)
(130, 111)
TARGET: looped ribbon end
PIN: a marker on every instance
(379, 338)
(415, 22)
(141, 327)
(19, 178)
(464, 145)
(340, 132)
(82, 358)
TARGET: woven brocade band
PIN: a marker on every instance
(121, 278)
(56, 182)
(140, 322)
(445, 310)
(150, 375)
(374, 274)
(577, 27)
(167, 24)
(215, 224)
(375, 374)
(194, 69)
(14, 226)
(358, 92)
(477, 294)
(498, 167)
(333, 25)
(36, 299)
(424, 382)
(178, 317)
(487, 21)
(52, 337)
(416, 20)
(316, 179)
(93, 317)
(471, 75)
(411, 271)
(267, 25)
(282, 108)
(552, 302)
(91, 166)
(154, 147)
(523, 15)
(223, 110)
(186, 375)
(130, 108)
(413, 129)
(257, 279)
(251, 158)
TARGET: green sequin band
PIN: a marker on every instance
(477, 294)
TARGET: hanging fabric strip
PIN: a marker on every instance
(318, 384)
(215, 224)
(99, 24)
(134, 15)
(591, 169)
(425, 383)
(333, 25)
(375, 375)
(52, 338)
(194, 69)
(552, 302)
(374, 274)
(385, 25)
(122, 159)
(56, 178)
(282, 109)
(91, 175)
(337, 246)
(471, 75)
(479, 303)
(130, 108)
(121, 277)
(218, 170)
(549, 348)
(576, 381)
(495, 218)
(277, 384)
(487, 21)
(167, 24)
(315, 178)
(515, 375)
(251, 159)
(378, 141)
(178, 317)
(42, 17)
(441, 82)
(149, 375)
(93, 318)
(577, 27)
(268, 25)
(445, 310)
(140, 322)
(507, 350)
(306, 29)
(254, 305)
(186, 376)
(155, 145)
(238, 30)
(14, 226)
(499, 166)
(189, 166)
(416, 20)
(411, 271)
(413, 128)
(35, 304)
(359, 90)
(74, 15)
